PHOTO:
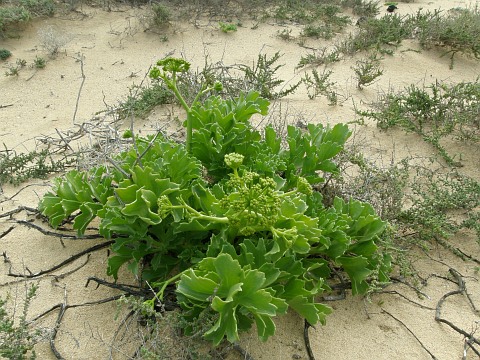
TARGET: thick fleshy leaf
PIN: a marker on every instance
(226, 324)
(358, 271)
(194, 287)
(143, 207)
(309, 310)
(88, 213)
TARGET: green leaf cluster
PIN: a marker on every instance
(232, 219)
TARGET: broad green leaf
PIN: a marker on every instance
(265, 326)
(226, 325)
(88, 213)
(271, 139)
(308, 309)
(145, 202)
(195, 287)
(115, 263)
(364, 248)
(229, 271)
(358, 271)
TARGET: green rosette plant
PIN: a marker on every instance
(230, 217)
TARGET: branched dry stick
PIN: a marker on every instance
(406, 298)
(19, 191)
(57, 234)
(138, 160)
(306, 338)
(128, 289)
(17, 210)
(6, 232)
(455, 250)
(63, 307)
(414, 288)
(411, 332)
(461, 290)
(80, 58)
(65, 141)
(63, 263)
(243, 352)
(116, 166)
(468, 344)
(117, 332)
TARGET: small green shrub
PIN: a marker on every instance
(141, 100)
(366, 8)
(382, 34)
(39, 7)
(21, 63)
(12, 16)
(367, 70)
(318, 31)
(17, 168)
(434, 112)
(16, 338)
(262, 77)
(161, 16)
(12, 71)
(458, 31)
(39, 62)
(227, 27)
(437, 201)
(5, 54)
(322, 56)
(319, 84)
(285, 34)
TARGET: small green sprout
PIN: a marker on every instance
(218, 86)
(39, 62)
(227, 27)
(5, 54)
(127, 134)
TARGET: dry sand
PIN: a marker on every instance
(116, 54)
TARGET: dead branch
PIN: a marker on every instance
(57, 234)
(80, 59)
(17, 210)
(63, 307)
(406, 298)
(306, 338)
(63, 139)
(19, 191)
(6, 232)
(468, 344)
(341, 287)
(417, 290)
(243, 352)
(63, 263)
(461, 290)
(128, 289)
(411, 332)
(117, 332)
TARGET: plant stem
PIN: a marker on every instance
(172, 84)
(159, 294)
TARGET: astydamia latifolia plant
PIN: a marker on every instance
(231, 217)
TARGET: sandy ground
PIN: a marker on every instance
(115, 53)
